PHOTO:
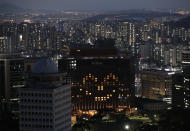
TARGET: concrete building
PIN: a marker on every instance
(186, 73)
(100, 80)
(178, 91)
(157, 85)
(5, 45)
(45, 103)
(11, 79)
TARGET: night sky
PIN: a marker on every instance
(99, 4)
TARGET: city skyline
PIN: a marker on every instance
(98, 4)
(94, 65)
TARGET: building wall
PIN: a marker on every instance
(45, 109)
(12, 78)
(99, 83)
(178, 91)
(186, 73)
(156, 85)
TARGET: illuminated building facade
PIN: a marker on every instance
(186, 73)
(4, 44)
(100, 82)
(157, 85)
(11, 79)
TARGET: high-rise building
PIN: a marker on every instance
(145, 50)
(178, 91)
(100, 81)
(45, 102)
(173, 57)
(186, 73)
(166, 58)
(3, 45)
(157, 85)
(11, 79)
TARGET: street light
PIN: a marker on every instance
(127, 127)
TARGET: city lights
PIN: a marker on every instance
(127, 127)
(94, 69)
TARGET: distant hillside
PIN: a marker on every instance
(185, 22)
(9, 8)
(129, 14)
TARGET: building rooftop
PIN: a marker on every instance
(92, 52)
(10, 56)
(45, 66)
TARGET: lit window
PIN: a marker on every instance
(89, 75)
(102, 99)
(98, 87)
(102, 88)
(98, 98)
(113, 77)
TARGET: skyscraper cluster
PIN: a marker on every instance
(52, 70)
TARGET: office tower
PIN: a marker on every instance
(178, 91)
(166, 58)
(11, 79)
(5, 45)
(131, 34)
(145, 50)
(126, 36)
(45, 102)
(100, 79)
(157, 85)
(173, 56)
(179, 54)
(186, 73)
(170, 57)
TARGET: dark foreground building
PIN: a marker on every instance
(186, 73)
(11, 79)
(45, 102)
(100, 79)
(178, 91)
